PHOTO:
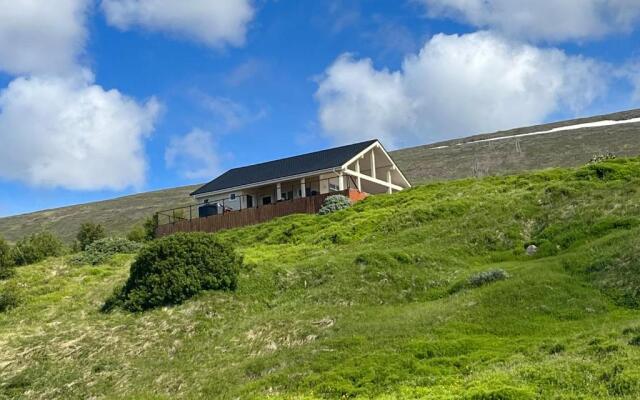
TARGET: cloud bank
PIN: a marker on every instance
(457, 85)
(58, 128)
(213, 23)
(41, 36)
(549, 20)
(71, 133)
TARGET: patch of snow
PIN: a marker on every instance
(559, 129)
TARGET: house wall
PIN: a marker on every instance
(330, 183)
(313, 184)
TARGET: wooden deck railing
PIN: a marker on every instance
(251, 216)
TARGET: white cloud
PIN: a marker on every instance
(631, 72)
(230, 115)
(214, 23)
(552, 20)
(70, 133)
(194, 155)
(456, 85)
(41, 36)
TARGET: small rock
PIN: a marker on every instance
(532, 249)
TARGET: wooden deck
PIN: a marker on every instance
(251, 216)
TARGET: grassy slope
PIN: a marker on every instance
(420, 164)
(362, 304)
(467, 157)
(118, 215)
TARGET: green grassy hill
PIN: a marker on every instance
(453, 159)
(117, 215)
(370, 302)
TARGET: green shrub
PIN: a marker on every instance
(138, 234)
(89, 233)
(173, 269)
(144, 232)
(150, 226)
(6, 260)
(485, 277)
(37, 247)
(102, 250)
(9, 296)
(334, 203)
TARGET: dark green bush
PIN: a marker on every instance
(172, 269)
(150, 226)
(6, 260)
(89, 233)
(37, 247)
(9, 296)
(334, 203)
(102, 250)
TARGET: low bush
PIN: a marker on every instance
(600, 157)
(6, 260)
(173, 269)
(9, 296)
(138, 234)
(102, 250)
(89, 233)
(334, 203)
(144, 232)
(37, 247)
(478, 280)
(485, 277)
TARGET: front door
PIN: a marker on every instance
(249, 201)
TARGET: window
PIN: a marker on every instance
(232, 196)
(266, 200)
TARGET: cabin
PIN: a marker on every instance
(259, 192)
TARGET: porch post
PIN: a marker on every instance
(359, 181)
(278, 192)
(341, 181)
(303, 187)
(373, 163)
(389, 190)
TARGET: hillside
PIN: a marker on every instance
(521, 149)
(371, 302)
(454, 159)
(117, 215)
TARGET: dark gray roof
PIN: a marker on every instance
(317, 161)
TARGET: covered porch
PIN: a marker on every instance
(186, 220)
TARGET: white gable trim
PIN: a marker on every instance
(374, 180)
(373, 146)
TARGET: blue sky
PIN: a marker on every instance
(106, 98)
